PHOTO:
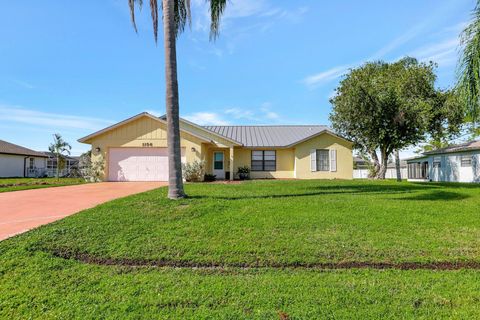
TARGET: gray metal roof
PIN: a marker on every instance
(467, 146)
(10, 148)
(269, 136)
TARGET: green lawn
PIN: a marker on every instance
(15, 184)
(261, 249)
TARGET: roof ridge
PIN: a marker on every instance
(271, 125)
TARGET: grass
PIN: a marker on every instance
(257, 244)
(16, 184)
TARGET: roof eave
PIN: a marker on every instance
(316, 135)
(143, 114)
(24, 154)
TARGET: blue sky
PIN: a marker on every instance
(73, 67)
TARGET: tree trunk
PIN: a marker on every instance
(58, 167)
(175, 182)
(397, 166)
(383, 166)
(376, 165)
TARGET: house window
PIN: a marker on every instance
(466, 161)
(32, 163)
(264, 160)
(437, 162)
(323, 160)
(418, 170)
(51, 164)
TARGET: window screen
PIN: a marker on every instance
(264, 160)
(323, 160)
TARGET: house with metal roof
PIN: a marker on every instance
(456, 163)
(136, 150)
(18, 161)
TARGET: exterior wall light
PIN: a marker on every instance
(97, 149)
(193, 149)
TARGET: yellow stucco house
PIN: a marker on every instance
(135, 150)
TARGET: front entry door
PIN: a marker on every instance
(218, 165)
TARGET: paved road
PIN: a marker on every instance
(21, 211)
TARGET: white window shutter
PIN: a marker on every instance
(333, 160)
(313, 160)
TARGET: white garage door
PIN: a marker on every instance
(138, 164)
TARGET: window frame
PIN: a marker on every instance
(328, 164)
(263, 161)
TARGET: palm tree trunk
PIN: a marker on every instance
(175, 183)
(58, 166)
(397, 166)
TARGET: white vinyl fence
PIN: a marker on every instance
(390, 174)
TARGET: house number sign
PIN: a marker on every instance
(147, 144)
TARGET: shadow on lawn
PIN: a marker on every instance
(436, 196)
(355, 189)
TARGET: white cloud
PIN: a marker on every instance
(442, 50)
(207, 118)
(315, 80)
(444, 53)
(267, 113)
(238, 113)
(24, 84)
(263, 14)
(17, 114)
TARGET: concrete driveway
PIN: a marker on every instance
(21, 211)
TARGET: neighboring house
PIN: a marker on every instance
(456, 163)
(361, 170)
(70, 164)
(135, 150)
(18, 161)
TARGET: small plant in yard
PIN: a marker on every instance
(59, 148)
(209, 177)
(243, 172)
(91, 171)
(194, 172)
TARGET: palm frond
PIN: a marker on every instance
(217, 7)
(183, 17)
(468, 71)
(131, 4)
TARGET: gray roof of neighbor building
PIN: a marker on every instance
(269, 136)
(51, 155)
(467, 146)
(10, 148)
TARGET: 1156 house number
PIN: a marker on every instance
(147, 144)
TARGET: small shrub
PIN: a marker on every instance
(91, 171)
(243, 172)
(194, 171)
(209, 177)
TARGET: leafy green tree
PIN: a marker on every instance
(468, 73)
(383, 107)
(176, 14)
(59, 148)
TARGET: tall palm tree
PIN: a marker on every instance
(176, 14)
(59, 148)
(468, 72)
